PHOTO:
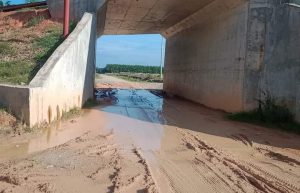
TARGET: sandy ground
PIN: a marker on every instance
(139, 141)
(105, 81)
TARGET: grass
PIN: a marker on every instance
(45, 45)
(90, 103)
(23, 71)
(35, 21)
(2, 109)
(20, 61)
(269, 114)
(16, 72)
(6, 49)
(75, 112)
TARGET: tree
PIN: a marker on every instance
(4, 3)
(7, 3)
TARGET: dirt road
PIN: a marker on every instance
(138, 141)
(105, 81)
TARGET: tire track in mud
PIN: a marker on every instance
(279, 157)
(120, 181)
(244, 139)
(148, 179)
(228, 171)
(120, 184)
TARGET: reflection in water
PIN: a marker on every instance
(135, 117)
(140, 119)
(55, 135)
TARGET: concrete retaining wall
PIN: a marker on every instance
(16, 99)
(67, 79)
(281, 75)
(205, 63)
(273, 59)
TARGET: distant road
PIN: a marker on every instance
(105, 81)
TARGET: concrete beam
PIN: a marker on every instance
(217, 7)
(148, 16)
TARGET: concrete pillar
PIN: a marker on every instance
(225, 56)
(205, 60)
(273, 62)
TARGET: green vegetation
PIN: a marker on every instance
(47, 44)
(72, 25)
(270, 114)
(2, 108)
(75, 112)
(35, 21)
(90, 103)
(4, 3)
(6, 49)
(117, 68)
(16, 72)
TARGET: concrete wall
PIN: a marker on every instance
(67, 79)
(16, 99)
(205, 62)
(273, 59)
(224, 57)
(77, 10)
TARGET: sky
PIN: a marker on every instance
(130, 49)
(127, 49)
(14, 2)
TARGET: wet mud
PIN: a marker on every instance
(140, 141)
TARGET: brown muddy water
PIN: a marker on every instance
(159, 144)
(142, 105)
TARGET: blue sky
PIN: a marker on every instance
(127, 49)
(130, 49)
(17, 1)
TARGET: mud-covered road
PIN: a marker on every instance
(139, 141)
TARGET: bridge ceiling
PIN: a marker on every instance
(148, 16)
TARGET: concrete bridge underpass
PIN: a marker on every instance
(221, 53)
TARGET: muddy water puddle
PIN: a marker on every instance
(137, 117)
(133, 115)
(55, 135)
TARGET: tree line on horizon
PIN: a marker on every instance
(118, 68)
